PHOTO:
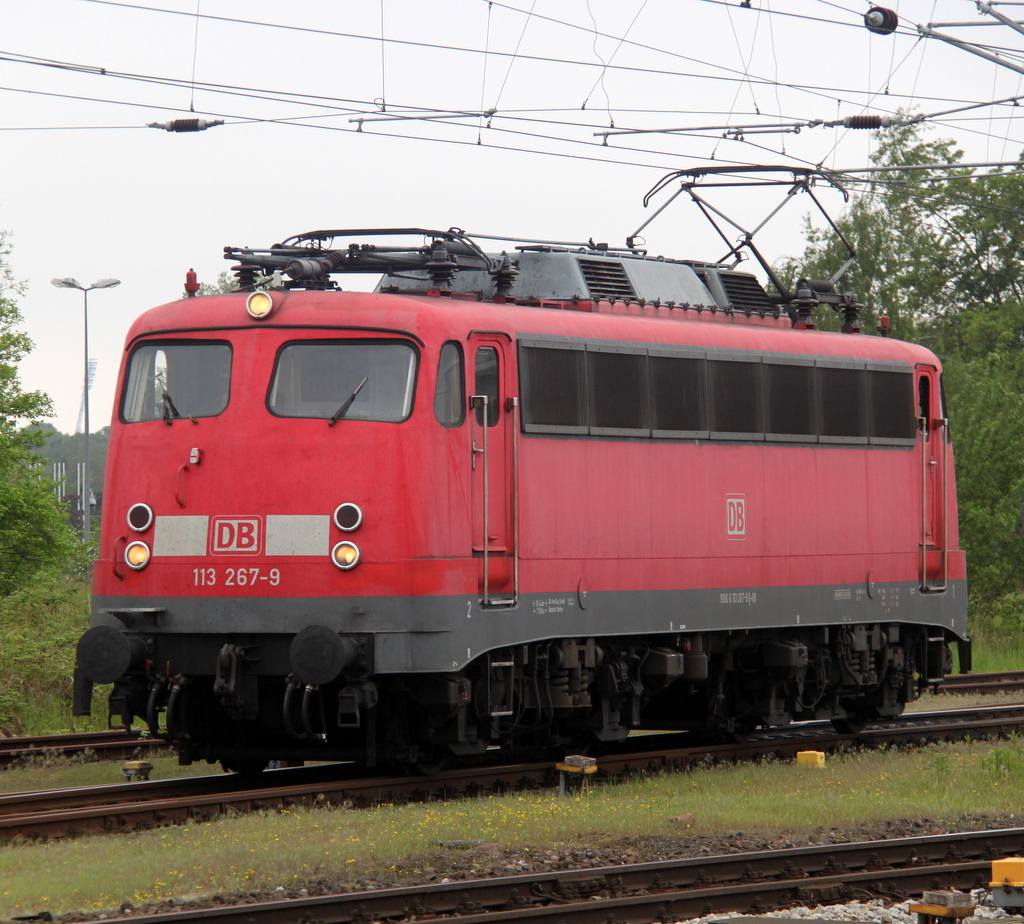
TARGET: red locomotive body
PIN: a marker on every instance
(425, 520)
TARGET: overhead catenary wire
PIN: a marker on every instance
(725, 72)
(355, 107)
(195, 55)
(512, 59)
(260, 93)
(299, 122)
(483, 75)
(552, 130)
(738, 76)
(383, 55)
(121, 3)
(604, 68)
(302, 121)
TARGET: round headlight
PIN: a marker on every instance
(259, 305)
(136, 555)
(140, 517)
(348, 517)
(345, 555)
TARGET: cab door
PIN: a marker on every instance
(932, 428)
(493, 421)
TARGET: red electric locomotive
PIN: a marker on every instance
(502, 501)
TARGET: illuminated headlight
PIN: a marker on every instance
(259, 305)
(348, 517)
(136, 556)
(345, 555)
(140, 517)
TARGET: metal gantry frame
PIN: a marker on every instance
(931, 30)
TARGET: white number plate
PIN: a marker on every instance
(235, 577)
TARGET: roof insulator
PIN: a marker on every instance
(186, 125)
(441, 266)
(881, 20)
(867, 121)
(505, 275)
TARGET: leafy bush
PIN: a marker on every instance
(43, 565)
(40, 626)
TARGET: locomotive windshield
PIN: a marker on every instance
(177, 379)
(346, 379)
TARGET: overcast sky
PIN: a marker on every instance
(88, 191)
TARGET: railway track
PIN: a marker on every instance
(50, 814)
(997, 682)
(109, 745)
(662, 891)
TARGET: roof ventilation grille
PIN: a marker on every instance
(607, 279)
(745, 292)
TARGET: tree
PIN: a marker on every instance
(69, 448)
(894, 228)
(35, 536)
(940, 252)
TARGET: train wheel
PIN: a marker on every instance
(573, 740)
(244, 766)
(433, 767)
(854, 721)
(739, 729)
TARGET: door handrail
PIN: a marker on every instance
(927, 429)
(922, 426)
(513, 406)
(943, 423)
(481, 401)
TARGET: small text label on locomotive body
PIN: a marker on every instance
(544, 605)
(235, 535)
(735, 516)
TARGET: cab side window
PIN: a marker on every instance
(449, 407)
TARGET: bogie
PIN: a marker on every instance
(567, 694)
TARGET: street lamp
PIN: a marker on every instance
(68, 283)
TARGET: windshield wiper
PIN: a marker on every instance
(170, 411)
(341, 411)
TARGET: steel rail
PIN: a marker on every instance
(139, 806)
(108, 744)
(996, 682)
(665, 890)
(123, 794)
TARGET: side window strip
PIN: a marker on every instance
(609, 389)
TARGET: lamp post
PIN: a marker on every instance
(68, 283)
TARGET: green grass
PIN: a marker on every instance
(62, 773)
(292, 848)
(997, 651)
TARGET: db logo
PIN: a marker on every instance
(235, 535)
(735, 516)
